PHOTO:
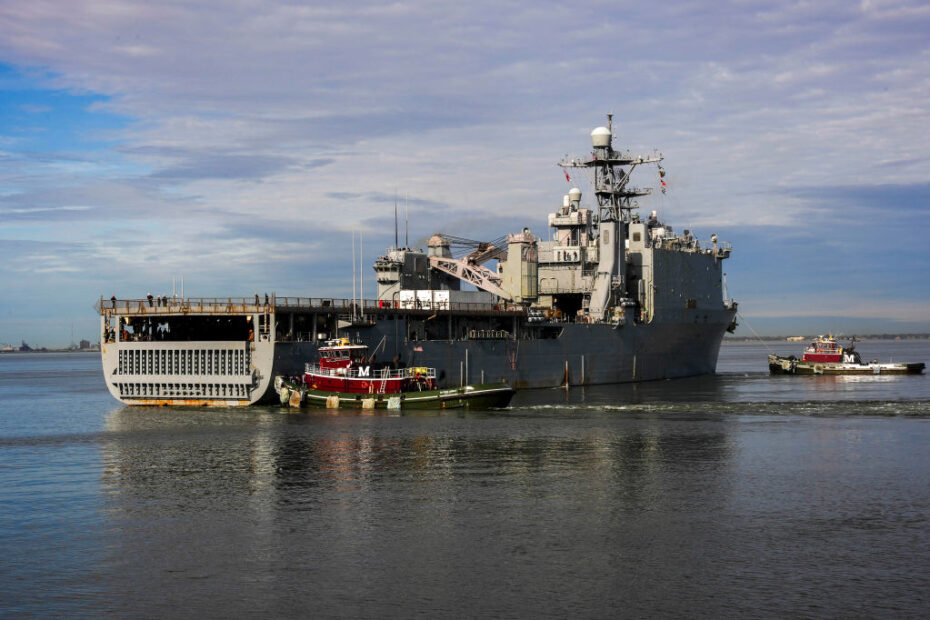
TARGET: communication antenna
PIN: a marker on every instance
(353, 272)
(361, 277)
(395, 220)
(406, 223)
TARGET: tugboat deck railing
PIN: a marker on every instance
(375, 373)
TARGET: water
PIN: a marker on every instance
(736, 495)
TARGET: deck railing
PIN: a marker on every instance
(273, 303)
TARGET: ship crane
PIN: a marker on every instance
(470, 268)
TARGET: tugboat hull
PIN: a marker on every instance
(791, 366)
(481, 396)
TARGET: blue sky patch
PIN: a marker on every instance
(241, 145)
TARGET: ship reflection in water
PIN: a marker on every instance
(364, 515)
(590, 502)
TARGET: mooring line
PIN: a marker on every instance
(756, 333)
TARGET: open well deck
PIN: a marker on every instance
(221, 350)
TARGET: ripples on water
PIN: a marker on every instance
(741, 494)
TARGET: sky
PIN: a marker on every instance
(239, 145)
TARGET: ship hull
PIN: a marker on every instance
(582, 355)
(242, 373)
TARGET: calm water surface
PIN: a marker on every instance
(741, 495)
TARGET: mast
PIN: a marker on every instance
(361, 277)
(353, 274)
(610, 173)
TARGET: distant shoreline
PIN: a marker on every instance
(800, 338)
(44, 350)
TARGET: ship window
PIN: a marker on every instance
(606, 237)
(637, 236)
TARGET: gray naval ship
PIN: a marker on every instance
(610, 298)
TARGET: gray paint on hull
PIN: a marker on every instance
(637, 352)
(644, 352)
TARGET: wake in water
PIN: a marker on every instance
(907, 408)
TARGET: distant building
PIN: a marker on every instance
(6, 348)
(795, 338)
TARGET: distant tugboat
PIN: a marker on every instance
(824, 356)
(345, 376)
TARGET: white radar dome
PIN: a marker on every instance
(574, 194)
(600, 137)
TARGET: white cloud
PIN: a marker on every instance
(272, 113)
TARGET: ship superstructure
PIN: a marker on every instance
(609, 297)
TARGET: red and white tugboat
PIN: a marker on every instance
(824, 356)
(346, 376)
